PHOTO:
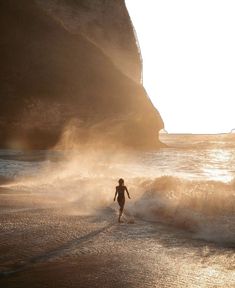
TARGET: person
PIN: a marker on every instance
(120, 191)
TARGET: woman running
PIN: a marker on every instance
(120, 191)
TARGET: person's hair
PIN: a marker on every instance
(121, 181)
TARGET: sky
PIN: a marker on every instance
(188, 51)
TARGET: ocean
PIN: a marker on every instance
(190, 184)
(58, 220)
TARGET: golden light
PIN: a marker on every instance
(218, 163)
(189, 61)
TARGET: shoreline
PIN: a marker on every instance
(59, 247)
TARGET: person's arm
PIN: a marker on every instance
(115, 195)
(127, 193)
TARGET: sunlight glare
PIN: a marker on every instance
(188, 61)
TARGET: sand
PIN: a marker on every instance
(56, 246)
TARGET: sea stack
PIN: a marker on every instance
(71, 72)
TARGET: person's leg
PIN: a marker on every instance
(121, 204)
(120, 213)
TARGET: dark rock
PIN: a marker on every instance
(107, 24)
(53, 79)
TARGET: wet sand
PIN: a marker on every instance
(54, 246)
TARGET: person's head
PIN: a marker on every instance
(121, 182)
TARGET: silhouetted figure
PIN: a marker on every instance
(120, 191)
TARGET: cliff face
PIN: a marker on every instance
(105, 23)
(54, 73)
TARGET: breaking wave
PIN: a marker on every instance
(206, 208)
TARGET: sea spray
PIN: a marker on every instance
(206, 208)
(86, 180)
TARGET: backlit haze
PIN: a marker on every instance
(189, 61)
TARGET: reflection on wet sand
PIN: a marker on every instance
(60, 248)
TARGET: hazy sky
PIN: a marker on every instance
(188, 50)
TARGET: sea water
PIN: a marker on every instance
(188, 184)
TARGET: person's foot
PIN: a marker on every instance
(120, 221)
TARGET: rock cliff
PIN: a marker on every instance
(105, 23)
(80, 75)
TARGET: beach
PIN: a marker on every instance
(57, 247)
(59, 228)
